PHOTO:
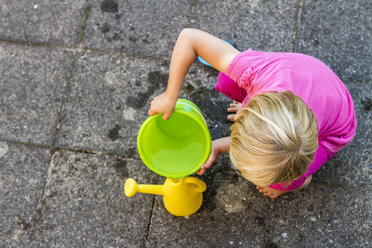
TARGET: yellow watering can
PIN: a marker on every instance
(182, 197)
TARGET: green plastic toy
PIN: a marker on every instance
(177, 147)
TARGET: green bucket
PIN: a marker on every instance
(177, 147)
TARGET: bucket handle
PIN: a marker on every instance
(200, 185)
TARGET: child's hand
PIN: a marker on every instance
(210, 161)
(221, 145)
(162, 104)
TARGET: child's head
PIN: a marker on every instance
(274, 138)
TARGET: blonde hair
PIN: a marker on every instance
(274, 138)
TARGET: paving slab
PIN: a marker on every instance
(32, 84)
(22, 178)
(260, 25)
(53, 22)
(138, 27)
(235, 214)
(79, 200)
(84, 203)
(108, 101)
(352, 166)
(338, 33)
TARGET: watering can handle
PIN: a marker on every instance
(201, 186)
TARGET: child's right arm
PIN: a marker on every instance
(191, 43)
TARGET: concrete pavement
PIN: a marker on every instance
(76, 81)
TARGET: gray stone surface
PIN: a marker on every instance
(137, 27)
(84, 203)
(339, 33)
(352, 165)
(53, 22)
(152, 27)
(22, 178)
(260, 25)
(32, 84)
(235, 214)
(109, 99)
(90, 101)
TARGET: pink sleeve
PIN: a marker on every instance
(322, 155)
(239, 65)
(246, 70)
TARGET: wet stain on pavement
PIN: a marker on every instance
(214, 111)
(109, 6)
(367, 103)
(117, 17)
(23, 225)
(133, 39)
(260, 220)
(105, 28)
(155, 78)
(131, 151)
(316, 42)
(113, 133)
(213, 179)
(116, 37)
(233, 178)
(189, 88)
(121, 168)
(270, 244)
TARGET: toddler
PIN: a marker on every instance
(291, 112)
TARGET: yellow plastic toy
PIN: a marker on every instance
(182, 197)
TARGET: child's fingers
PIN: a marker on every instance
(204, 168)
(209, 163)
(200, 172)
(235, 103)
(231, 117)
(232, 109)
(151, 112)
(166, 116)
(152, 109)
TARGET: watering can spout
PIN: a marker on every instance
(131, 188)
(181, 197)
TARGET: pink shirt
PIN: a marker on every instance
(316, 84)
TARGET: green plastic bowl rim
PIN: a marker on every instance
(202, 123)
